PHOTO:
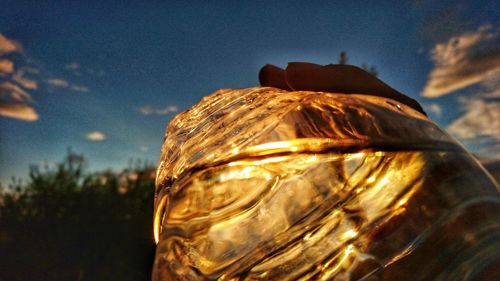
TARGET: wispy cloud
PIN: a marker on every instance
(481, 116)
(18, 111)
(493, 150)
(8, 46)
(6, 66)
(79, 88)
(72, 66)
(57, 82)
(78, 69)
(434, 109)
(12, 93)
(469, 59)
(95, 136)
(148, 110)
(65, 84)
(15, 103)
(464, 60)
(481, 119)
(20, 78)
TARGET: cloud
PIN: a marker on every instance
(58, 82)
(480, 122)
(434, 108)
(18, 111)
(15, 103)
(491, 87)
(29, 70)
(18, 77)
(148, 110)
(144, 148)
(80, 88)
(8, 46)
(11, 93)
(72, 66)
(481, 119)
(464, 60)
(24, 81)
(493, 150)
(95, 136)
(62, 83)
(6, 66)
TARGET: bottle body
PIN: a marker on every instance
(303, 205)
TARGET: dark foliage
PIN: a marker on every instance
(370, 69)
(67, 224)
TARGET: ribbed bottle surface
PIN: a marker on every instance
(264, 184)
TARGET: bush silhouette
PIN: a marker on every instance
(65, 223)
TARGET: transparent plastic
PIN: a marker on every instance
(265, 184)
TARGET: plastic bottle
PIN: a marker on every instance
(268, 184)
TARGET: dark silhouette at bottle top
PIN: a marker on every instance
(333, 78)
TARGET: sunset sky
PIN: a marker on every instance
(105, 78)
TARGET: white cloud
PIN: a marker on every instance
(481, 119)
(434, 108)
(58, 82)
(482, 113)
(96, 136)
(147, 110)
(6, 66)
(8, 45)
(144, 148)
(463, 61)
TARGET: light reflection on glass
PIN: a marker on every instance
(258, 184)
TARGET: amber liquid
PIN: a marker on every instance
(416, 214)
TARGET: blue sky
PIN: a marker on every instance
(104, 78)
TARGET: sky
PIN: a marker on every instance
(104, 78)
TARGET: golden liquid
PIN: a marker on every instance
(372, 215)
(265, 184)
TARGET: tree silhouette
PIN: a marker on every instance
(67, 224)
(343, 58)
(370, 69)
